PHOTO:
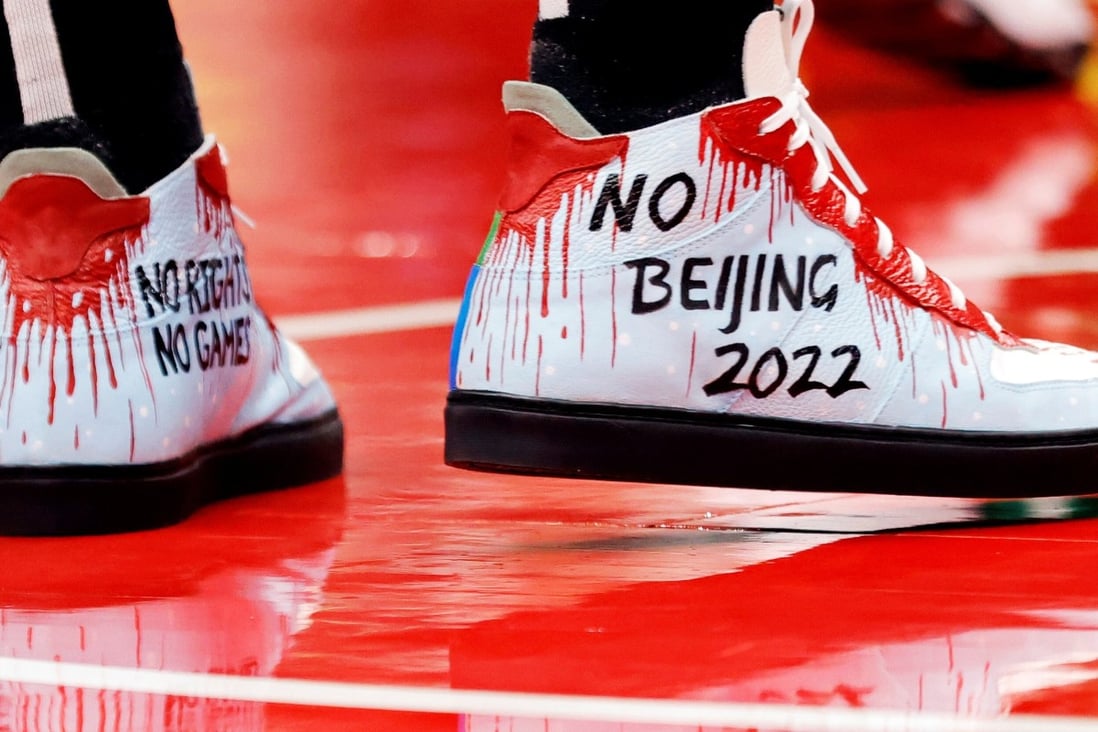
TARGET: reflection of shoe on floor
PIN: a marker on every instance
(227, 594)
(705, 301)
(139, 379)
(991, 42)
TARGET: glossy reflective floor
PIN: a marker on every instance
(365, 138)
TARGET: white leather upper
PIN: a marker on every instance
(149, 382)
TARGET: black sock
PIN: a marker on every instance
(131, 92)
(626, 64)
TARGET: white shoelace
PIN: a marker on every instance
(797, 19)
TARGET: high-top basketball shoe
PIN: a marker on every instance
(138, 377)
(705, 301)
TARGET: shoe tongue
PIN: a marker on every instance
(765, 68)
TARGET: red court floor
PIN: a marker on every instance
(365, 138)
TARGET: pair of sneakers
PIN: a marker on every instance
(702, 301)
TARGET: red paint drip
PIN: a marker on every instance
(871, 303)
(118, 339)
(704, 149)
(979, 376)
(583, 322)
(613, 318)
(70, 386)
(545, 274)
(507, 317)
(896, 324)
(889, 308)
(66, 250)
(487, 283)
(945, 406)
(565, 247)
(537, 376)
(26, 354)
(526, 317)
(736, 180)
(514, 333)
(94, 374)
(736, 127)
(53, 378)
(693, 361)
(914, 379)
(133, 435)
(9, 381)
(964, 338)
(488, 360)
(789, 200)
(704, 145)
(732, 161)
(946, 332)
(516, 258)
(480, 304)
(774, 210)
(724, 184)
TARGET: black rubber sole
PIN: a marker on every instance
(486, 431)
(71, 500)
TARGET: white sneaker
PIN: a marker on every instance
(139, 380)
(705, 301)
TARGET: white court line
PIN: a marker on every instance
(365, 321)
(784, 717)
(1017, 264)
(442, 313)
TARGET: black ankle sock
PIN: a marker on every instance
(132, 94)
(626, 64)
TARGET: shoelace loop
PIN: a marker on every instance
(797, 19)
